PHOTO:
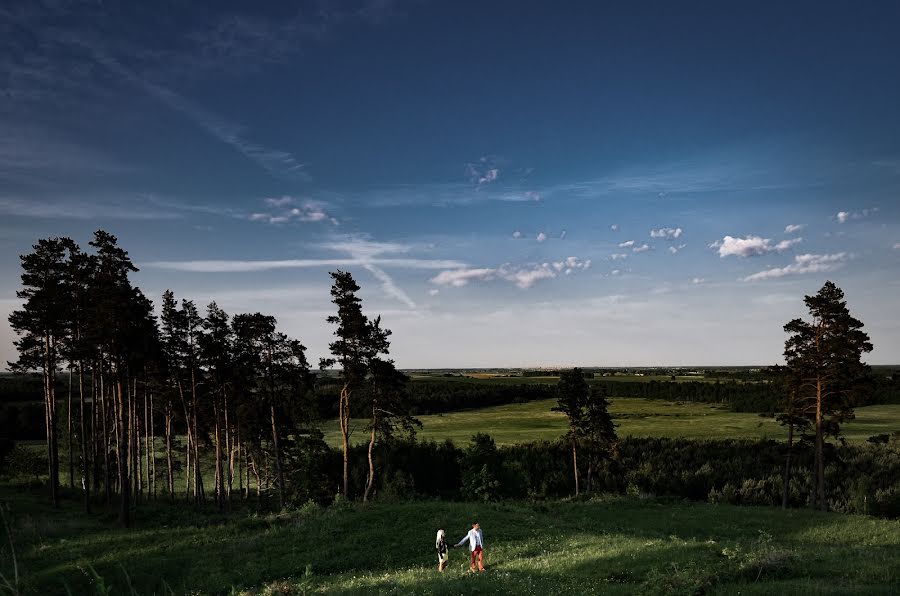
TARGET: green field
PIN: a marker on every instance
(609, 546)
(521, 423)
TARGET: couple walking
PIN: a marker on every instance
(474, 537)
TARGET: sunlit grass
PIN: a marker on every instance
(635, 417)
(609, 546)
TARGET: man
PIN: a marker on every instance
(476, 546)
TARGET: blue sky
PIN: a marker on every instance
(512, 183)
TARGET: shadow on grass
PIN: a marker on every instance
(614, 545)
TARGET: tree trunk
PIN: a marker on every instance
(50, 419)
(151, 465)
(95, 459)
(820, 447)
(85, 469)
(198, 474)
(146, 444)
(170, 471)
(229, 448)
(575, 465)
(279, 473)
(220, 479)
(70, 427)
(370, 481)
(124, 484)
(787, 466)
(344, 413)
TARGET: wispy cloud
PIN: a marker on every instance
(277, 162)
(642, 248)
(698, 280)
(29, 149)
(618, 256)
(522, 276)
(751, 246)
(121, 206)
(614, 227)
(541, 237)
(793, 228)
(845, 216)
(626, 244)
(807, 263)
(667, 233)
(517, 234)
(484, 170)
(287, 209)
(676, 247)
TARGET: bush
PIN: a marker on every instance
(26, 463)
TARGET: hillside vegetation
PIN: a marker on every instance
(604, 546)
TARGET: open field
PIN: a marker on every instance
(484, 378)
(521, 423)
(611, 546)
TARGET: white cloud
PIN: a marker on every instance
(751, 246)
(531, 195)
(517, 234)
(617, 256)
(676, 247)
(626, 244)
(807, 263)
(461, 277)
(698, 280)
(791, 228)
(525, 278)
(641, 248)
(484, 171)
(238, 266)
(897, 246)
(522, 276)
(541, 237)
(615, 272)
(614, 227)
(389, 286)
(667, 233)
(845, 216)
(288, 209)
(282, 201)
(433, 292)
(562, 235)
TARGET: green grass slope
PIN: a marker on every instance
(615, 546)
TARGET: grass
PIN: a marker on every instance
(608, 546)
(502, 379)
(637, 417)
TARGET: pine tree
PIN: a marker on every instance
(353, 349)
(824, 356)
(43, 326)
(572, 395)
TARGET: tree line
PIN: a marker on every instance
(197, 387)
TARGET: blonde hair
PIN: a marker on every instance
(439, 538)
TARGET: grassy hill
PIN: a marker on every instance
(610, 546)
(521, 423)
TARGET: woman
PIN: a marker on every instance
(442, 552)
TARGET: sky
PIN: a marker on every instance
(512, 183)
